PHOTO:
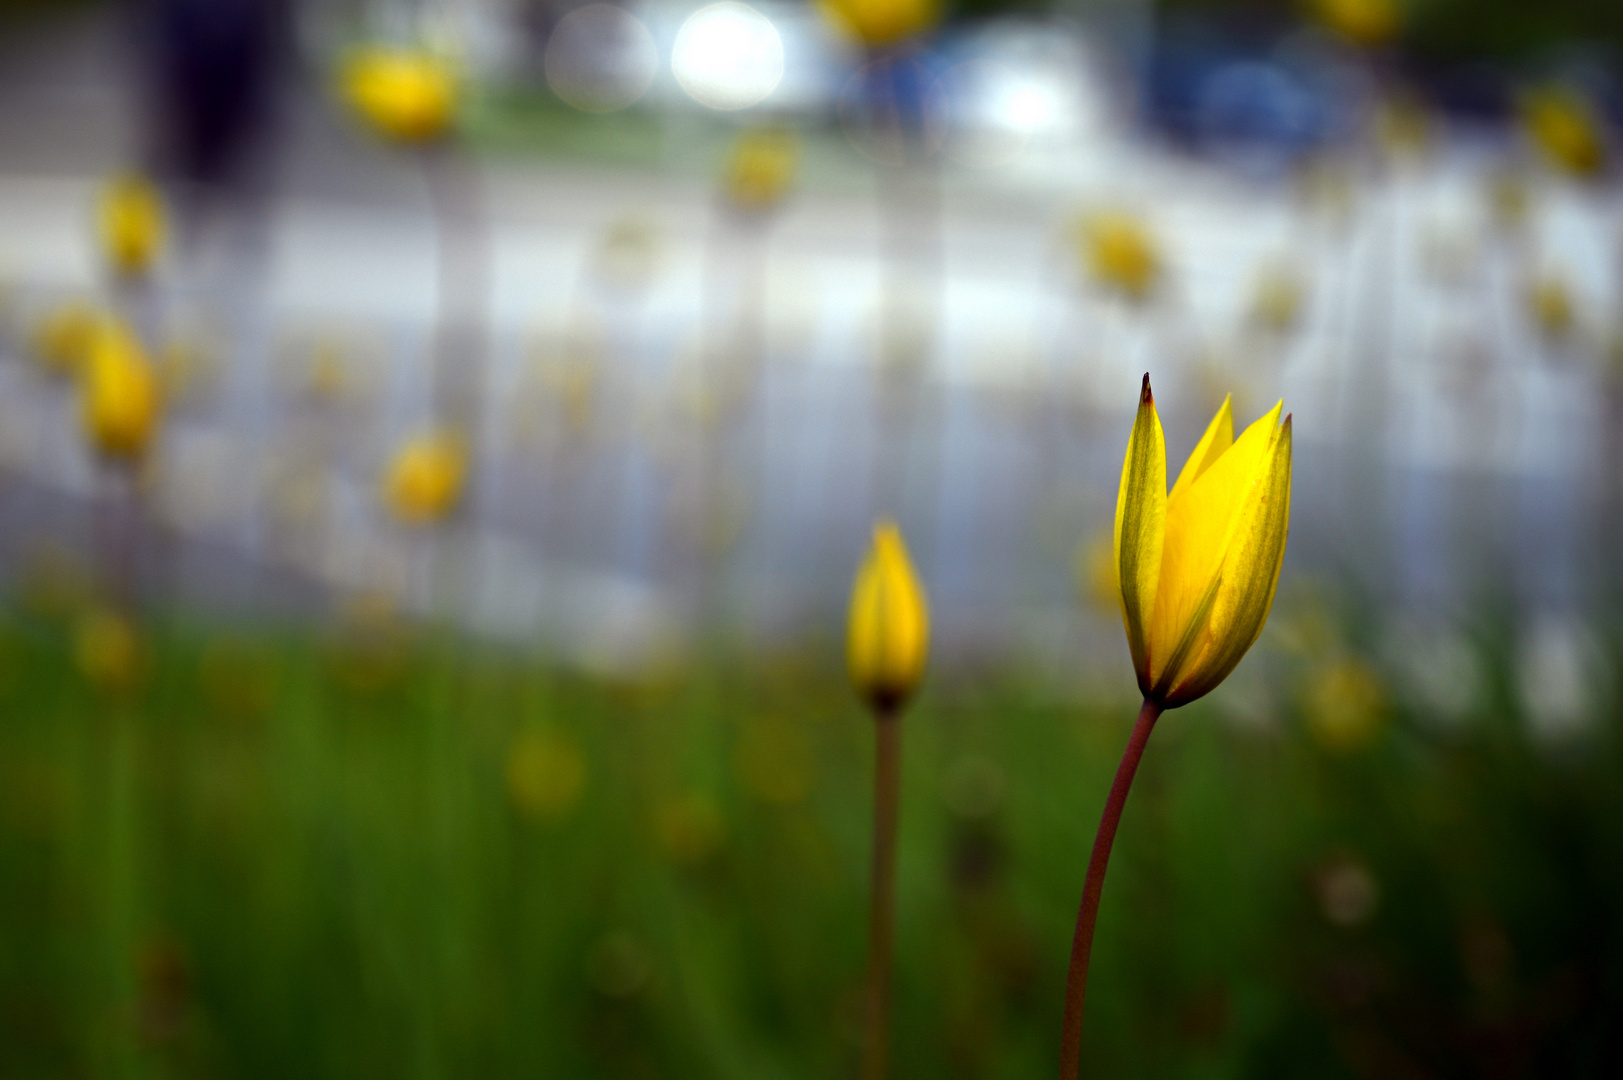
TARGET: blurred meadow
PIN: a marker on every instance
(437, 440)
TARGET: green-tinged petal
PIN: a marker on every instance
(1218, 438)
(1141, 510)
(1199, 523)
(1248, 577)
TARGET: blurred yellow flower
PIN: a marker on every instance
(119, 399)
(761, 167)
(408, 95)
(107, 650)
(1362, 22)
(62, 338)
(775, 761)
(689, 828)
(1120, 254)
(1344, 704)
(1550, 303)
(1564, 127)
(1508, 199)
(1276, 299)
(1096, 573)
(546, 774)
(425, 480)
(131, 220)
(1199, 566)
(881, 23)
(889, 628)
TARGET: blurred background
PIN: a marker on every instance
(437, 439)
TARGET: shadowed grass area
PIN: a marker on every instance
(379, 851)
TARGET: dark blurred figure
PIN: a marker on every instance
(213, 67)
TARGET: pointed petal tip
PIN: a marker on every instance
(1144, 395)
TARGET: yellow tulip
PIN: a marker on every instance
(1198, 567)
(1120, 253)
(889, 628)
(761, 167)
(119, 399)
(408, 95)
(1563, 126)
(1362, 22)
(131, 220)
(881, 23)
(425, 479)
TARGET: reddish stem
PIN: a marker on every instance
(882, 909)
(1076, 984)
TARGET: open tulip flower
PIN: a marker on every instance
(1198, 565)
(1197, 568)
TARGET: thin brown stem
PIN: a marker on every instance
(1076, 984)
(882, 910)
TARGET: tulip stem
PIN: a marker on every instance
(882, 909)
(1076, 984)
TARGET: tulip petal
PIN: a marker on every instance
(1141, 510)
(1198, 529)
(1248, 577)
(1218, 438)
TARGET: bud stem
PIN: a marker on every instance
(882, 910)
(1076, 984)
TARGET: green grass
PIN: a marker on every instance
(297, 853)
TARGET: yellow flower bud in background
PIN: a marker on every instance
(131, 220)
(107, 650)
(62, 338)
(1344, 705)
(119, 399)
(1120, 254)
(889, 630)
(546, 774)
(760, 168)
(425, 480)
(408, 95)
(1276, 299)
(1562, 124)
(1550, 303)
(1199, 565)
(1096, 573)
(877, 24)
(1363, 22)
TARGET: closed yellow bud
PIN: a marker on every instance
(1362, 22)
(408, 95)
(119, 399)
(1120, 254)
(1198, 567)
(425, 479)
(1563, 126)
(889, 631)
(132, 224)
(880, 23)
(761, 167)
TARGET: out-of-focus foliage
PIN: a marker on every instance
(668, 873)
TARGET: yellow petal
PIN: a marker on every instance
(1199, 524)
(1141, 511)
(1218, 438)
(1248, 577)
